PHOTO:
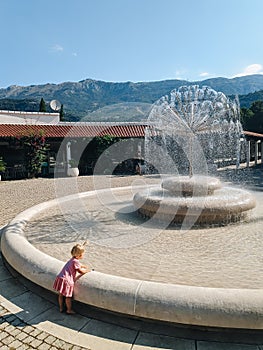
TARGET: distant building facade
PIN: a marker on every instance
(80, 137)
(68, 139)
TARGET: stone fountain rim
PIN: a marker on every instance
(191, 305)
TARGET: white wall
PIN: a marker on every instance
(14, 117)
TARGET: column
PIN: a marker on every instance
(256, 151)
(248, 153)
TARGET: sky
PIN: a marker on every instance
(54, 41)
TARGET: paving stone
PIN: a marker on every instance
(21, 336)
(3, 324)
(35, 333)
(97, 334)
(60, 344)
(4, 347)
(146, 341)
(50, 339)
(16, 344)
(204, 345)
(16, 332)
(10, 318)
(60, 325)
(28, 329)
(65, 346)
(44, 346)
(35, 343)
(42, 336)
(17, 322)
(3, 311)
(4, 275)
(21, 324)
(27, 306)
(24, 347)
(10, 328)
(3, 335)
(11, 288)
(28, 340)
(7, 340)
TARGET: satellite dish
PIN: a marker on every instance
(55, 105)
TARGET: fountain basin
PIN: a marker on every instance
(197, 200)
(192, 305)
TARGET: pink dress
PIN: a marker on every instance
(64, 282)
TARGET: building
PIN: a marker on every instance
(80, 141)
(66, 141)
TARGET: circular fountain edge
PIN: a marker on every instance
(192, 305)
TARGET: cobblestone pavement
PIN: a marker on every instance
(18, 335)
(18, 332)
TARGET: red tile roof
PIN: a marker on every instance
(83, 130)
(74, 130)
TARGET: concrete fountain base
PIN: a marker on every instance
(198, 200)
(192, 305)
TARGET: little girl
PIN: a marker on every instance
(64, 282)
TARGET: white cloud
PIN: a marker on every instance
(255, 68)
(204, 74)
(57, 48)
(75, 54)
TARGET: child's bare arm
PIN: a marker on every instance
(84, 266)
(83, 269)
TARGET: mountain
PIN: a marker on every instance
(26, 105)
(247, 100)
(82, 98)
(120, 112)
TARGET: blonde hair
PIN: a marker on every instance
(78, 249)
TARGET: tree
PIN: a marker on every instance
(252, 118)
(61, 113)
(245, 115)
(42, 106)
(257, 107)
(2, 165)
(35, 148)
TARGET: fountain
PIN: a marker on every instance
(210, 276)
(185, 200)
(193, 121)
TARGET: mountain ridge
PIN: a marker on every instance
(86, 96)
(255, 79)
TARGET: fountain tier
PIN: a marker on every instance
(196, 200)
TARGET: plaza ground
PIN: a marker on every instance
(30, 318)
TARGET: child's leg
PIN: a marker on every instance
(60, 302)
(69, 305)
